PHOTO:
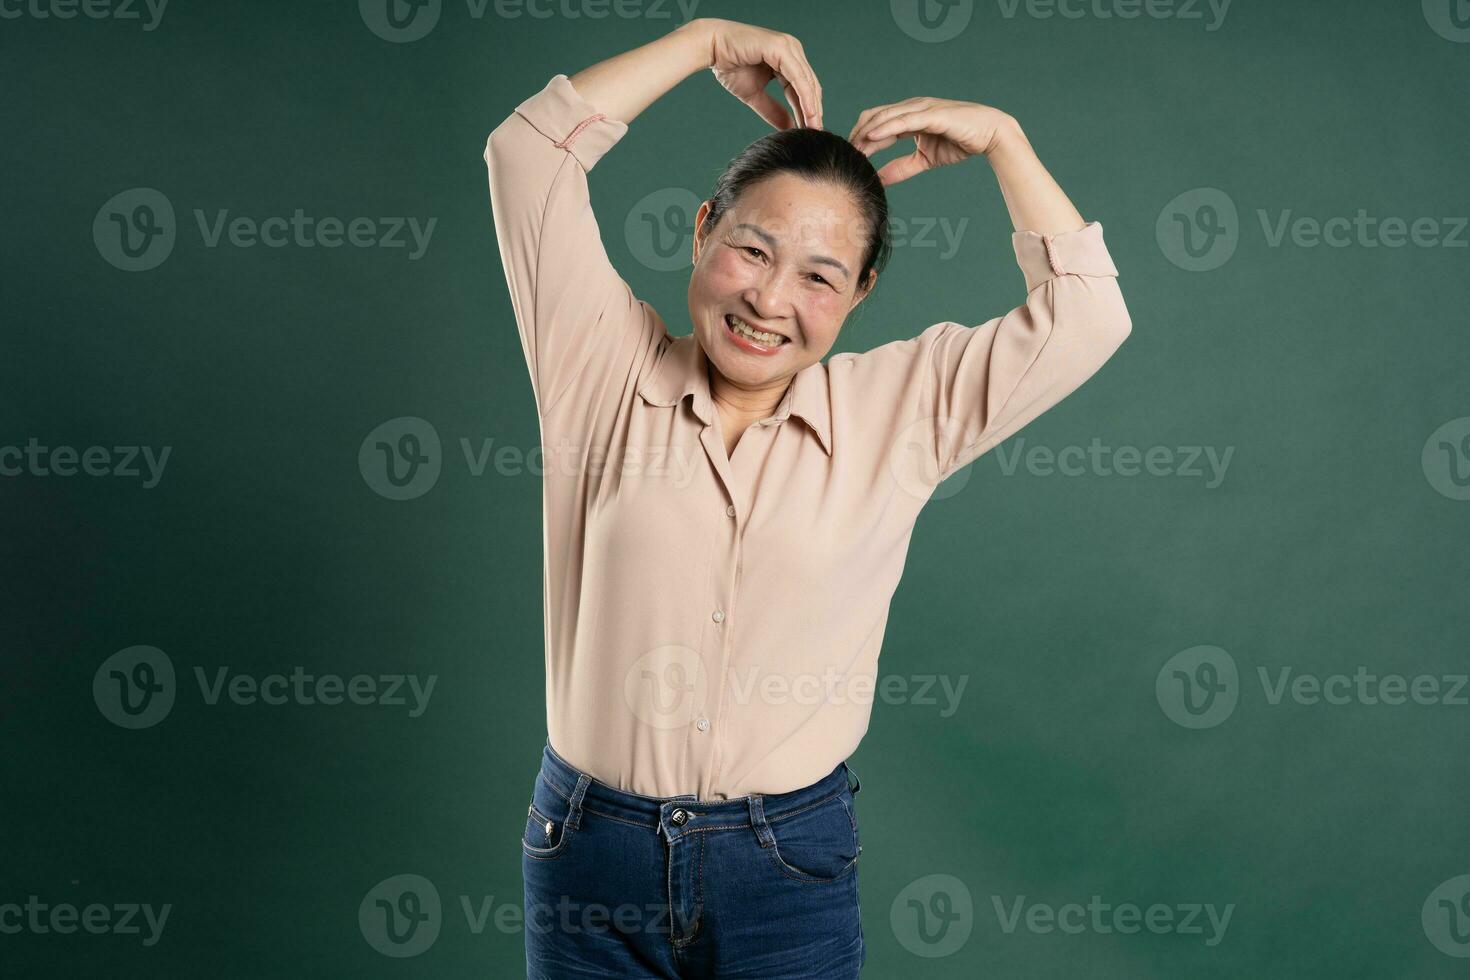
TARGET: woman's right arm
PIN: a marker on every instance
(576, 316)
(744, 58)
(626, 84)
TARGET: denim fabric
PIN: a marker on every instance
(623, 885)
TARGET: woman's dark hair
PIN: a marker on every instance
(816, 155)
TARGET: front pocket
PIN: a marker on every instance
(546, 831)
(817, 844)
(542, 832)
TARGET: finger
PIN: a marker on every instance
(811, 93)
(902, 168)
(887, 113)
(770, 110)
(862, 120)
(896, 127)
(869, 147)
(873, 112)
(798, 110)
(797, 74)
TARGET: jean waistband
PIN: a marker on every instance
(678, 815)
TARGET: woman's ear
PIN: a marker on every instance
(864, 289)
(699, 217)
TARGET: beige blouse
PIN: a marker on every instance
(670, 668)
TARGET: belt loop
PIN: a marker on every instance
(758, 820)
(856, 783)
(574, 813)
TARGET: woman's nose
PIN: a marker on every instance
(770, 297)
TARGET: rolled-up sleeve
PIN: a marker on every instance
(576, 316)
(967, 388)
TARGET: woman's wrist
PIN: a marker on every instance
(1033, 198)
(700, 35)
(1009, 141)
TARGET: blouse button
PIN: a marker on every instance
(718, 616)
(730, 511)
(702, 724)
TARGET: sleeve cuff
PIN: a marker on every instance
(559, 113)
(1080, 253)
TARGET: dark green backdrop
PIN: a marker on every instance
(1095, 749)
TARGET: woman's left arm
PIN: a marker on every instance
(947, 131)
(963, 389)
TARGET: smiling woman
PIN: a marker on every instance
(778, 549)
(791, 240)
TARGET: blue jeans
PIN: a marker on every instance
(623, 885)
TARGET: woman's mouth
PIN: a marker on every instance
(755, 341)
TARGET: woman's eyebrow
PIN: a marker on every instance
(760, 233)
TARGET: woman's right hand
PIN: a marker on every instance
(746, 58)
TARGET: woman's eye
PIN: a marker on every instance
(818, 278)
(751, 250)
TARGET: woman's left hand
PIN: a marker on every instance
(944, 130)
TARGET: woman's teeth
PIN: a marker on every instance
(759, 336)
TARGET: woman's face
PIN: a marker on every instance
(783, 260)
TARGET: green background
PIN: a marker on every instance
(1061, 598)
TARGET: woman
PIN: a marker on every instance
(726, 517)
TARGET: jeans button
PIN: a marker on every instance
(679, 818)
